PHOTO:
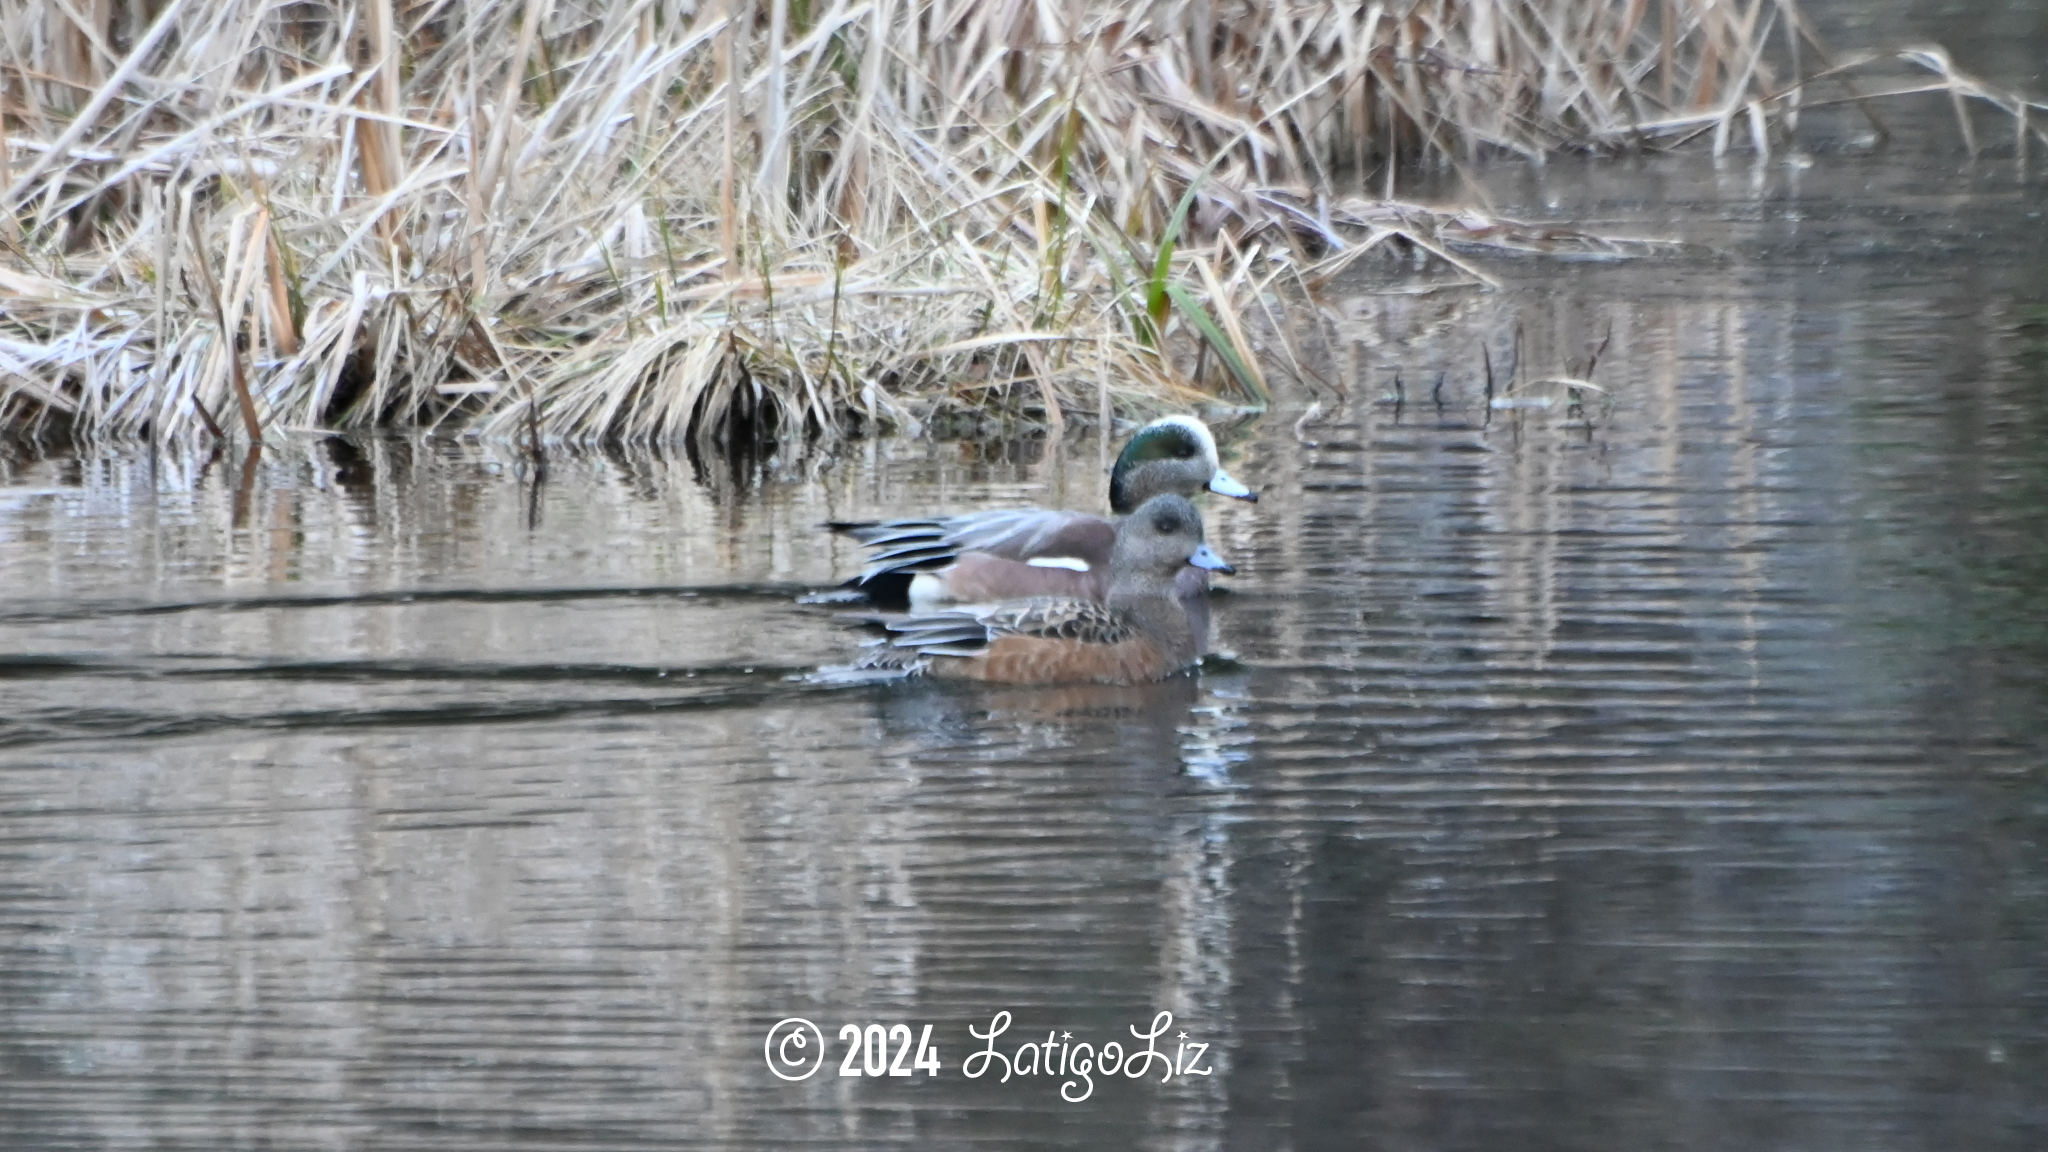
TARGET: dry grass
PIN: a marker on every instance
(659, 220)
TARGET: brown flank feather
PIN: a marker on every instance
(1039, 660)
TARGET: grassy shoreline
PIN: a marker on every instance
(657, 221)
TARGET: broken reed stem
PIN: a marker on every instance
(728, 202)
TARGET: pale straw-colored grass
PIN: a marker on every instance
(667, 220)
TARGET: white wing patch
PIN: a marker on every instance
(1072, 563)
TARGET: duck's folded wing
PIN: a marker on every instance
(969, 631)
(1086, 621)
(1024, 534)
(941, 634)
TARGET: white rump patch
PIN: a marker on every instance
(1072, 563)
(927, 590)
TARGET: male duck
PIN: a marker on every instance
(1138, 631)
(1012, 554)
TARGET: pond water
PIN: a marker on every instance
(1668, 770)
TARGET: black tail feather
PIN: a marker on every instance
(885, 589)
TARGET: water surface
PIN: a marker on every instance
(1661, 770)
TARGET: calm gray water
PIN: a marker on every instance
(1669, 771)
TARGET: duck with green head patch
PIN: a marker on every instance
(1021, 553)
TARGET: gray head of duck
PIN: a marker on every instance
(1173, 454)
(1155, 542)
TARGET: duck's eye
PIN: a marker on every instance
(1166, 524)
(1184, 450)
